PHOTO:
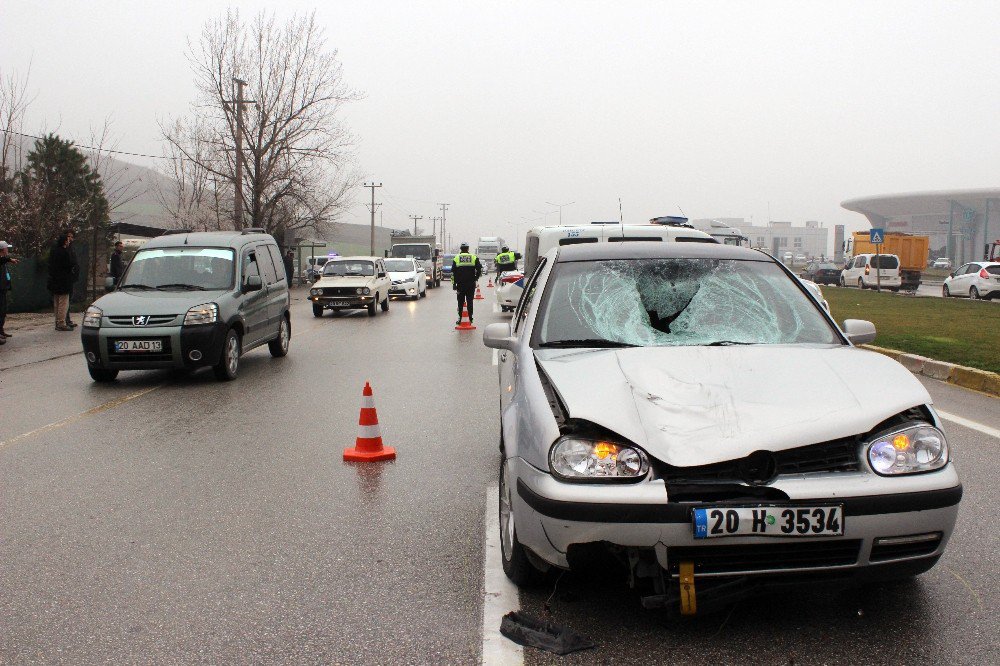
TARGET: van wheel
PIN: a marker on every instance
(385, 304)
(974, 294)
(102, 375)
(317, 310)
(279, 346)
(229, 362)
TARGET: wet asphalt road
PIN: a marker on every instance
(171, 519)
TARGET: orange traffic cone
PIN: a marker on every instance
(479, 295)
(489, 285)
(368, 446)
(465, 324)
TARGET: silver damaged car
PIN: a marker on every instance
(657, 407)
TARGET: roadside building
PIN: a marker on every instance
(811, 239)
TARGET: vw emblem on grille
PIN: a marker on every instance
(140, 320)
(758, 468)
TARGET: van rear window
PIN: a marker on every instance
(889, 261)
(576, 241)
(621, 239)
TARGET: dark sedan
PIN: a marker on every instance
(822, 272)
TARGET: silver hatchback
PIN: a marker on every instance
(657, 405)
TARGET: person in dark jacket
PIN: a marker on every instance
(5, 263)
(117, 267)
(63, 270)
(289, 265)
(466, 269)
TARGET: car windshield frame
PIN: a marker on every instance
(180, 281)
(353, 263)
(412, 268)
(608, 326)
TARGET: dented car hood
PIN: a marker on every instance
(700, 405)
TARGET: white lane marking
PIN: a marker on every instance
(496, 354)
(975, 425)
(499, 594)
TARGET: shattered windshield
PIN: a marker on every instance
(662, 302)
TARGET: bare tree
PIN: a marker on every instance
(14, 102)
(193, 197)
(297, 153)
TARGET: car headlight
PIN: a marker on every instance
(92, 317)
(579, 458)
(918, 448)
(206, 313)
(365, 291)
(316, 292)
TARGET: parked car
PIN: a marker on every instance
(941, 262)
(352, 283)
(189, 300)
(407, 277)
(978, 279)
(508, 290)
(822, 272)
(635, 419)
(860, 272)
(800, 258)
(786, 258)
(817, 293)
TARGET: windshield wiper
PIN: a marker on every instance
(726, 343)
(136, 286)
(597, 342)
(180, 285)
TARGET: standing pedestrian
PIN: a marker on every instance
(289, 265)
(466, 270)
(5, 262)
(62, 273)
(117, 263)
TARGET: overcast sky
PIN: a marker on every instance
(718, 109)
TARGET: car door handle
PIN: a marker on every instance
(503, 356)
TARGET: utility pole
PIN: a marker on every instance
(373, 207)
(444, 223)
(239, 102)
(415, 218)
(434, 221)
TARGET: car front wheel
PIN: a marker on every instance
(317, 310)
(102, 375)
(516, 564)
(372, 307)
(229, 363)
(385, 304)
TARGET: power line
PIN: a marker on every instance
(100, 150)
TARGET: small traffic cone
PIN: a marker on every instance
(465, 324)
(479, 295)
(489, 285)
(368, 446)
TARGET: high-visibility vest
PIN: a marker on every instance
(465, 259)
(505, 258)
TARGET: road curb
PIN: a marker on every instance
(959, 375)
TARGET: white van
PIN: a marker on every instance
(860, 272)
(540, 240)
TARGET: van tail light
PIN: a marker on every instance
(868, 270)
(511, 279)
(983, 273)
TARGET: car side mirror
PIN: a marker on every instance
(381, 274)
(252, 283)
(498, 336)
(951, 275)
(859, 331)
(109, 284)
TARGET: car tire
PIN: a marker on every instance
(317, 310)
(974, 293)
(372, 307)
(229, 361)
(861, 283)
(514, 558)
(842, 283)
(279, 346)
(102, 375)
(385, 304)
(423, 294)
(945, 292)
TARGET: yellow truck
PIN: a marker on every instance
(911, 250)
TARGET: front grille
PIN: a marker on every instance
(153, 320)
(839, 455)
(340, 291)
(132, 357)
(896, 548)
(720, 560)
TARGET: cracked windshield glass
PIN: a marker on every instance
(665, 302)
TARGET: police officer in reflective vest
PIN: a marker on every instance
(465, 272)
(506, 261)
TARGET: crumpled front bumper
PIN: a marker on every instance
(551, 515)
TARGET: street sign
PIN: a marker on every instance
(876, 236)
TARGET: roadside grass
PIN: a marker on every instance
(953, 330)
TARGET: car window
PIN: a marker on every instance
(278, 260)
(341, 267)
(206, 268)
(576, 241)
(885, 261)
(400, 265)
(993, 270)
(250, 265)
(266, 265)
(526, 297)
(619, 239)
(669, 302)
